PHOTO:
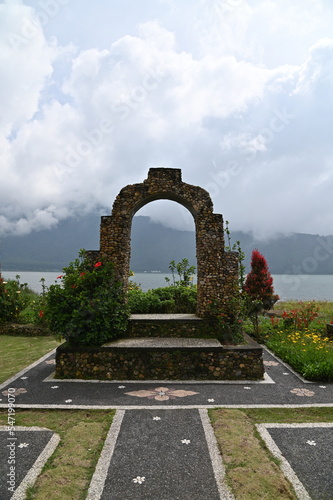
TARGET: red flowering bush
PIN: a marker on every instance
(259, 282)
(259, 288)
(301, 317)
(87, 307)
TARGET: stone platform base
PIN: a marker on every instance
(162, 359)
(169, 325)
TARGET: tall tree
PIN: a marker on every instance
(259, 288)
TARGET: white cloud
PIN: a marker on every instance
(257, 136)
(26, 59)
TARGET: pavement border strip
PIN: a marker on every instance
(286, 468)
(267, 380)
(288, 366)
(35, 470)
(25, 370)
(99, 477)
(157, 407)
(215, 457)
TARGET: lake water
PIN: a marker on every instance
(297, 287)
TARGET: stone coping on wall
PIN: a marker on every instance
(166, 343)
(165, 317)
(162, 343)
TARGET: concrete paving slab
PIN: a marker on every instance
(159, 455)
(24, 451)
(306, 454)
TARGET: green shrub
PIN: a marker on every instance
(88, 307)
(14, 297)
(167, 300)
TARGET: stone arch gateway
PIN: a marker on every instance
(217, 269)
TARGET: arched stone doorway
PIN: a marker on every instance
(217, 270)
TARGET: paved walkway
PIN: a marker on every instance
(161, 445)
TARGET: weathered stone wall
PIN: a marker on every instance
(107, 363)
(17, 330)
(217, 270)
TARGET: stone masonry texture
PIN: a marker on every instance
(217, 269)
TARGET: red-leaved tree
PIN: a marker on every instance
(259, 288)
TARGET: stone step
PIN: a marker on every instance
(162, 359)
(169, 325)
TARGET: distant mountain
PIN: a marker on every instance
(50, 250)
(154, 246)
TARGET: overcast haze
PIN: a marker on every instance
(238, 94)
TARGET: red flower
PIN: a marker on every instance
(82, 274)
(98, 264)
(41, 314)
(59, 277)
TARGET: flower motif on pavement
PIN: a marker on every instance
(211, 400)
(322, 386)
(302, 392)
(55, 387)
(121, 386)
(186, 441)
(51, 362)
(23, 445)
(68, 400)
(139, 479)
(24, 378)
(311, 443)
(157, 418)
(271, 363)
(18, 391)
(247, 387)
(285, 373)
(161, 393)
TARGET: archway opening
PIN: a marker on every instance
(162, 231)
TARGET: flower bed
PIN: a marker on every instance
(308, 352)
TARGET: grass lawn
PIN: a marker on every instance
(252, 472)
(18, 352)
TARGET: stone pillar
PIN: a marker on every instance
(115, 244)
(210, 252)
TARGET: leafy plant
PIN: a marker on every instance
(301, 317)
(88, 307)
(185, 273)
(259, 289)
(13, 299)
(172, 299)
(236, 247)
(229, 320)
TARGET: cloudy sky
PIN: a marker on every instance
(236, 93)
